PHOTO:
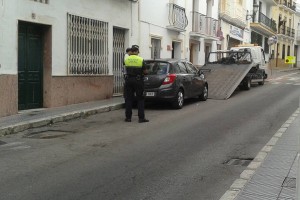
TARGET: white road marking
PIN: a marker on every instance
(14, 146)
(11, 144)
(21, 147)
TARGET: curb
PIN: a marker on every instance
(247, 174)
(22, 126)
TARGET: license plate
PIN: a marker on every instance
(150, 94)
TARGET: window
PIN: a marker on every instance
(283, 51)
(87, 46)
(191, 69)
(157, 68)
(182, 68)
(256, 38)
(156, 46)
(266, 46)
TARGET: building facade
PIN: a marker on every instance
(262, 23)
(233, 23)
(182, 29)
(284, 13)
(54, 53)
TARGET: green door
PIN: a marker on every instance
(30, 65)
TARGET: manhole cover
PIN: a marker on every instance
(238, 162)
(289, 182)
(48, 134)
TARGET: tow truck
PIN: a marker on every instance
(239, 67)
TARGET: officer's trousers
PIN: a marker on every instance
(134, 86)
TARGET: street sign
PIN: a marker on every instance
(272, 40)
(290, 60)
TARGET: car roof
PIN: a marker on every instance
(170, 60)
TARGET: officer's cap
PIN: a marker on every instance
(135, 47)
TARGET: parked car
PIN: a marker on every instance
(174, 81)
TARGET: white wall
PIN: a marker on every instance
(153, 23)
(115, 12)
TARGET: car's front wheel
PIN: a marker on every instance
(247, 84)
(179, 100)
(204, 95)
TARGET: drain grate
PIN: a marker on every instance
(238, 162)
(289, 182)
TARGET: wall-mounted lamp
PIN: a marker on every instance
(255, 9)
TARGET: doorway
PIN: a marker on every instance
(30, 66)
(176, 50)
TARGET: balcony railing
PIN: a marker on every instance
(204, 25)
(288, 3)
(177, 17)
(287, 31)
(270, 23)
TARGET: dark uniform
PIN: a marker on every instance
(134, 83)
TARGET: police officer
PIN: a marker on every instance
(134, 83)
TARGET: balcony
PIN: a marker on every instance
(177, 18)
(287, 3)
(204, 26)
(233, 13)
(264, 25)
(287, 31)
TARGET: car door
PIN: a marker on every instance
(196, 83)
(184, 78)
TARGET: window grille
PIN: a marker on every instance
(42, 1)
(87, 46)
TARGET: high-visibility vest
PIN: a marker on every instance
(133, 65)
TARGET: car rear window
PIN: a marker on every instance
(157, 68)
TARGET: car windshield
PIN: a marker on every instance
(156, 68)
(230, 57)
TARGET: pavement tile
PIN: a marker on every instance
(256, 191)
(293, 171)
(287, 194)
(279, 162)
(267, 180)
(272, 171)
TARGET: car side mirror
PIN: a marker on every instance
(201, 74)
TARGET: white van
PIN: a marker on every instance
(258, 54)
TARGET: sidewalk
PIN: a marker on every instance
(42, 117)
(272, 174)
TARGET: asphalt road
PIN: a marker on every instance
(179, 154)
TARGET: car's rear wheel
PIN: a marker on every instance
(262, 82)
(179, 100)
(204, 95)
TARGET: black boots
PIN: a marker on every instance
(143, 120)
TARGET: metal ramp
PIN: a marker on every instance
(224, 79)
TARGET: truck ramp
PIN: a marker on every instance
(224, 79)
